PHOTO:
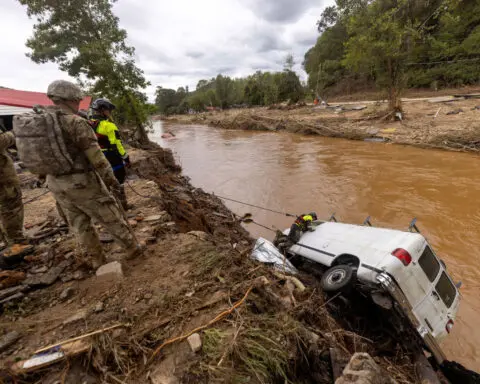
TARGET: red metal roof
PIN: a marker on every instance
(28, 99)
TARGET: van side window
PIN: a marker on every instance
(429, 264)
(446, 290)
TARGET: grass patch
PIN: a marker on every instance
(212, 341)
(262, 354)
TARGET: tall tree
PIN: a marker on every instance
(289, 62)
(224, 90)
(84, 38)
(383, 36)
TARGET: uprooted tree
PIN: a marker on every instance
(84, 38)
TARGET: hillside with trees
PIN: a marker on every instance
(394, 45)
(259, 89)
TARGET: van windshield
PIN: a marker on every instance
(446, 290)
(429, 264)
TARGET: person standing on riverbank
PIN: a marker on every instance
(11, 205)
(109, 140)
(77, 172)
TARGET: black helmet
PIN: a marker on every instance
(103, 104)
(314, 215)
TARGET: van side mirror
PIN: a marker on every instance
(458, 285)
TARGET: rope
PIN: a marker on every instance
(138, 193)
(225, 198)
(264, 226)
(256, 206)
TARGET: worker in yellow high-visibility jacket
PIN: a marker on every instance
(110, 142)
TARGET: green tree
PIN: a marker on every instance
(289, 62)
(289, 87)
(165, 98)
(382, 38)
(224, 90)
(84, 38)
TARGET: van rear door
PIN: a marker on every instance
(427, 307)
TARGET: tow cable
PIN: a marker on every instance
(246, 219)
(255, 206)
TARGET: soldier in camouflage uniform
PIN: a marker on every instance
(11, 206)
(83, 194)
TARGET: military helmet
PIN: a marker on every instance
(64, 90)
(103, 103)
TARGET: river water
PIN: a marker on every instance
(391, 183)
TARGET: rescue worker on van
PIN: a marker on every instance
(302, 224)
(79, 175)
(11, 206)
(109, 140)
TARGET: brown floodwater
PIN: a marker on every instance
(391, 183)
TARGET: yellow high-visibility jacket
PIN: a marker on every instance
(109, 138)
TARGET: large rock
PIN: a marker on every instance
(195, 342)
(113, 269)
(362, 369)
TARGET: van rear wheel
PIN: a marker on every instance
(340, 278)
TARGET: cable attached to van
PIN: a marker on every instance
(255, 206)
(247, 219)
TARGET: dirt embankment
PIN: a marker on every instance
(452, 125)
(196, 276)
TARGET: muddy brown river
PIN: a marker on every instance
(391, 183)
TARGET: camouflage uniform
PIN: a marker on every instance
(11, 206)
(83, 194)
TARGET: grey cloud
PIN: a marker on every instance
(266, 43)
(281, 11)
(195, 54)
(176, 47)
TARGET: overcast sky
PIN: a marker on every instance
(180, 42)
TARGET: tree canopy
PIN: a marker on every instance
(259, 89)
(395, 44)
(84, 38)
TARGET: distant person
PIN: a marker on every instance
(11, 205)
(109, 140)
(56, 142)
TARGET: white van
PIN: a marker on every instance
(403, 264)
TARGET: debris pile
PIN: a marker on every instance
(444, 122)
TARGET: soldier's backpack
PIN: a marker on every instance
(40, 142)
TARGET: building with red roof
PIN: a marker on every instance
(14, 102)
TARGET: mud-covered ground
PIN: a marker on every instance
(449, 125)
(255, 326)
